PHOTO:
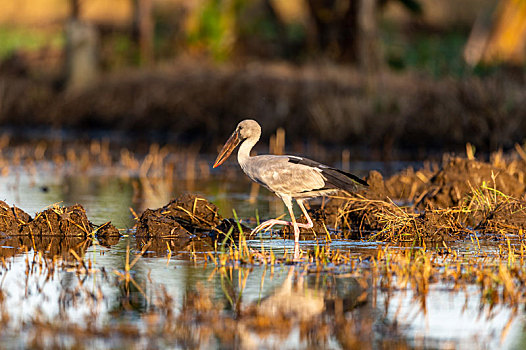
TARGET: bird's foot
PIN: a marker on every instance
(297, 253)
(267, 225)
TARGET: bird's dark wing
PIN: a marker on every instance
(335, 178)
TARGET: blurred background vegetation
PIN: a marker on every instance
(385, 74)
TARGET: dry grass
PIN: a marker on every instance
(485, 213)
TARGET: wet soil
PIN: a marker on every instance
(70, 221)
(448, 184)
(186, 218)
(458, 177)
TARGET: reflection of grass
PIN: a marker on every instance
(12, 39)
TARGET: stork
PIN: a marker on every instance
(287, 176)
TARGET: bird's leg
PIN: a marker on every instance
(267, 225)
(309, 223)
(296, 232)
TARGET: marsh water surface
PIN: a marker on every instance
(126, 294)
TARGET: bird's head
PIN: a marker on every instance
(246, 129)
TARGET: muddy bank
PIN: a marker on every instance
(334, 104)
(188, 218)
(452, 182)
(70, 221)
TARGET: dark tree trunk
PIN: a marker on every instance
(346, 30)
(75, 9)
(319, 10)
(280, 26)
(349, 34)
(143, 29)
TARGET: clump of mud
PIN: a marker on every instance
(12, 218)
(459, 177)
(185, 218)
(70, 221)
(446, 185)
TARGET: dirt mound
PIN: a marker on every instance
(485, 217)
(11, 218)
(406, 185)
(187, 217)
(459, 176)
(159, 223)
(69, 221)
(182, 218)
(386, 221)
(56, 221)
(381, 220)
(464, 197)
(107, 234)
(377, 187)
(447, 186)
(194, 212)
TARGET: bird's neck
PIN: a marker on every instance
(243, 155)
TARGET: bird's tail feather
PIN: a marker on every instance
(340, 179)
(335, 178)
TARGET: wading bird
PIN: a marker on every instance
(287, 176)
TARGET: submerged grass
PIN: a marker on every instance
(306, 299)
(498, 272)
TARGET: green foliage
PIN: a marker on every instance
(220, 26)
(213, 27)
(436, 54)
(119, 50)
(12, 38)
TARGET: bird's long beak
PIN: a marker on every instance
(227, 149)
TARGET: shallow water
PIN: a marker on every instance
(179, 299)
